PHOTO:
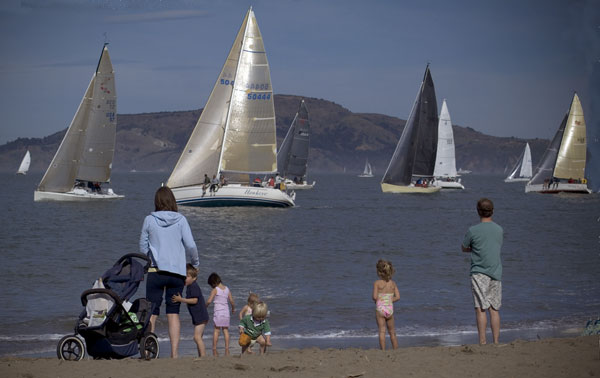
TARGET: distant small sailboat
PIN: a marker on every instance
(411, 167)
(368, 171)
(292, 157)
(235, 134)
(25, 163)
(445, 160)
(562, 168)
(463, 171)
(84, 158)
(522, 169)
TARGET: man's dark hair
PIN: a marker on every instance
(485, 208)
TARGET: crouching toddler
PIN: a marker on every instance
(255, 328)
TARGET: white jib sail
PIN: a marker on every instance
(526, 166)
(445, 162)
(25, 163)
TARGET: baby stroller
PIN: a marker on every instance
(111, 326)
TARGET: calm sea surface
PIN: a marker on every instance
(314, 264)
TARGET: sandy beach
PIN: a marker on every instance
(564, 357)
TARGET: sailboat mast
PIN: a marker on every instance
(237, 68)
(101, 54)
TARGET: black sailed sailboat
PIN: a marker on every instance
(413, 162)
(292, 157)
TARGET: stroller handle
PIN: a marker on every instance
(137, 256)
(109, 292)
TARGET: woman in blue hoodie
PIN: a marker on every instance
(166, 238)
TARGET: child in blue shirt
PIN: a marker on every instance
(196, 306)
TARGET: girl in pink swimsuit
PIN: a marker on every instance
(220, 295)
(385, 293)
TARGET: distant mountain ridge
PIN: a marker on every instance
(340, 139)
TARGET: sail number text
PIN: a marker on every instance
(259, 96)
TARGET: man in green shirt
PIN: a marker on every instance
(484, 242)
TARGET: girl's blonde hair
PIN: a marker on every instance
(385, 270)
(252, 299)
(260, 310)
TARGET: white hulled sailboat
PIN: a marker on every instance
(83, 161)
(234, 137)
(368, 171)
(562, 168)
(522, 169)
(25, 163)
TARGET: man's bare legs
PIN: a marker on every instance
(495, 324)
(481, 317)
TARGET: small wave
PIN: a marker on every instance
(31, 352)
(437, 333)
(43, 337)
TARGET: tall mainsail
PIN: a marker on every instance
(235, 134)
(570, 162)
(87, 149)
(445, 162)
(202, 151)
(565, 156)
(99, 147)
(416, 149)
(292, 157)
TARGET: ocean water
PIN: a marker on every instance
(314, 264)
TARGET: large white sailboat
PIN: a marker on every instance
(234, 137)
(445, 160)
(562, 168)
(522, 170)
(25, 163)
(411, 167)
(368, 171)
(83, 162)
(292, 157)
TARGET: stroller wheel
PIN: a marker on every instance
(149, 348)
(70, 348)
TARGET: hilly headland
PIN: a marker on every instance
(340, 140)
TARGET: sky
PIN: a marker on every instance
(505, 67)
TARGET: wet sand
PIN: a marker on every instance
(564, 357)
